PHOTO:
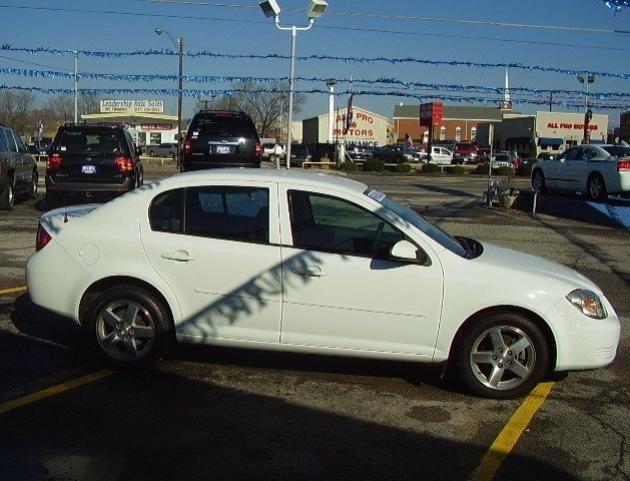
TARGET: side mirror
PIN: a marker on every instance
(405, 251)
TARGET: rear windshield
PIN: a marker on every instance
(618, 150)
(465, 146)
(104, 141)
(224, 127)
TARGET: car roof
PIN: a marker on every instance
(269, 175)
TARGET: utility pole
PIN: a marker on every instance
(76, 87)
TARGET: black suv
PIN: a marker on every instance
(221, 139)
(89, 160)
(18, 169)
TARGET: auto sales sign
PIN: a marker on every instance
(132, 106)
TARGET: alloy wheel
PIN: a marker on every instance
(502, 358)
(125, 330)
(595, 188)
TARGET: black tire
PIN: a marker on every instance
(112, 335)
(516, 372)
(596, 188)
(7, 196)
(538, 181)
(33, 186)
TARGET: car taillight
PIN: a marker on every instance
(42, 239)
(259, 149)
(124, 164)
(187, 147)
(623, 165)
(53, 163)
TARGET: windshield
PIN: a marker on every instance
(94, 141)
(415, 219)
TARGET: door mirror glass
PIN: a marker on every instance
(404, 250)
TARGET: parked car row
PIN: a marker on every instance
(18, 169)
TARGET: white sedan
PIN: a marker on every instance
(596, 170)
(313, 264)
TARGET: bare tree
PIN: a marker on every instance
(266, 104)
(15, 110)
(89, 103)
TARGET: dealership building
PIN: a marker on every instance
(542, 132)
(367, 128)
(624, 126)
(145, 120)
(459, 123)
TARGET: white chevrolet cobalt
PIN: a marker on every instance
(312, 264)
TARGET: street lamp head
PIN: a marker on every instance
(159, 31)
(316, 9)
(330, 82)
(591, 79)
(580, 79)
(270, 8)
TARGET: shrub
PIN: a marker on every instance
(348, 166)
(429, 169)
(374, 165)
(457, 170)
(403, 168)
(482, 169)
(504, 171)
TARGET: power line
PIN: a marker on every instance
(326, 27)
(35, 64)
(386, 16)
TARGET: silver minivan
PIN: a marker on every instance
(18, 169)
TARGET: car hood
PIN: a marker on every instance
(549, 271)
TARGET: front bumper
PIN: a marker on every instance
(582, 342)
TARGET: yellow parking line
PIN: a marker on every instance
(54, 390)
(13, 290)
(511, 433)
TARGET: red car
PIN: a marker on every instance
(465, 153)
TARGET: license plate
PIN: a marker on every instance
(88, 169)
(223, 149)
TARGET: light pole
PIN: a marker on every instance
(316, 9)
(587, 81)
(331, 107)
(179, 43)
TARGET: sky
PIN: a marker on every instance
(130, 24)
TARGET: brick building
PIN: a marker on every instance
(458, 124)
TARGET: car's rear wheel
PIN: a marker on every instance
(538, 182)
(32, 188)
(596, 188)
(7, 196)
(502, 355)
(129, 326)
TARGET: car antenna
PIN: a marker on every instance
(65, 216)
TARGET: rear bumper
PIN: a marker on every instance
(188, 166)
(53, 185)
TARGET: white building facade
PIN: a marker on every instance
(366, 128)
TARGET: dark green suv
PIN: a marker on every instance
(18, 169)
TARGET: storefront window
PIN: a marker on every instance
(442, 133)
(473, 134)
(458, 134)
(156, 138)
(425, 137)
(142, 138)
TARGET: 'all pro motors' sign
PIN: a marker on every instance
(132, 106)
(362, 127)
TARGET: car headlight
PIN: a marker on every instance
(587, 303)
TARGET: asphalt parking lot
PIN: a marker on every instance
(209, 413)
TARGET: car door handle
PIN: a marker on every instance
(314, 271)
(177, 256)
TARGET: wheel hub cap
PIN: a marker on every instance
(502, 357)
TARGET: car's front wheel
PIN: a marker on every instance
(129, 326)
(502, 355)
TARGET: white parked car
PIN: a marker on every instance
(314, 264)
(596, 170)
(441, 155)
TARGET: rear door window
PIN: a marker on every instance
(234, 213)
(18, 142)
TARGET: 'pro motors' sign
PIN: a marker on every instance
(132, 106)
